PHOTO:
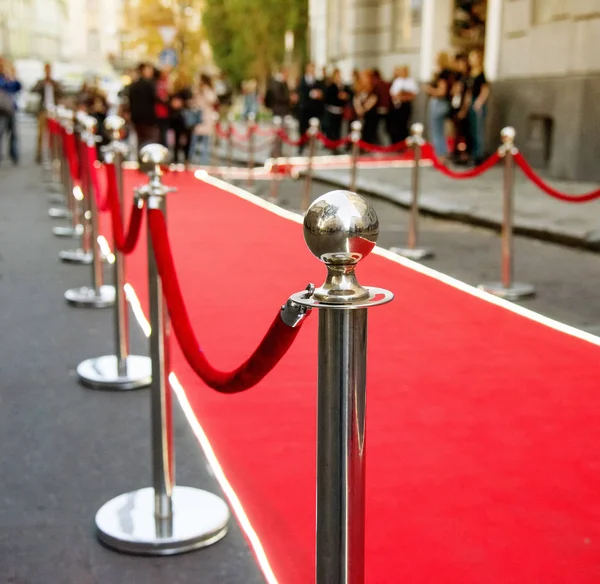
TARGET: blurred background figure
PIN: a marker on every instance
(439, 104)
(9, 88)
(161, 104)
(477, 93)
(463, 143)
(204, 101)
(365, 105)
(50, 93)
(311, 95)
(403, 91)
(337, 97)
(142, 102)
(224, 93)
(250, 91)
(277, 96)
(384, 103)
(180, 101)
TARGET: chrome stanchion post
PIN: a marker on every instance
(507, 288)
(313, 130)
(230, 123)
(163, 519)
(276, 154)
(355, 135)
(62, 207)
(98, 295)
(57, 196)
(412, 250)
(251, 137)
(121, 371)
(340, 229)
(86, 129)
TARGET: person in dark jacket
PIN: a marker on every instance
(337, 97)
(311, 95)
(277, 97)
(9, 87)
(51, 93)
(142, 101)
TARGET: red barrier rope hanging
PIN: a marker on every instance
(383, 149)
(549, 190)
(101, 202)
(70, 148)
(472, 173)
(272, 348)
(124, 243)
(300, 142)
(221, 133)
(332, 144)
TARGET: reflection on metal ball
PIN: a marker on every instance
(341, 228)
(114, 123)
(154, 154)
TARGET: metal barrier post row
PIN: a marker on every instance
(313, 130)
(340, 229)
(163, 519)
(57, 196)
(120, 371)
(412, 250)
(355, 136)
(507, 288)
(75, 230)
(98, 295)
(61, 209)
(276, 153)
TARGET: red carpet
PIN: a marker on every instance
(483, 426)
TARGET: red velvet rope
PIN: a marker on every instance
(70, 148)
(125, 244)
(376, 148)
(101, 202)
(549, 190)
(285, 138)
(240, 135)
(272, 348)
(331, 144)
(221, 133)
(473, 172)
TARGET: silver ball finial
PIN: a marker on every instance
(154, 154)
(356, 126)
(417, 130)
(277, 121)
(114, 126)
(508, 134)
(313, 122)
(340, 229)
(89, 123)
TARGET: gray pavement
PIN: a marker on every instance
(66, 450)
(476, 201)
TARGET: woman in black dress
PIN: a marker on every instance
(365, 104)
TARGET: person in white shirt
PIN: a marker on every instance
(403, 91)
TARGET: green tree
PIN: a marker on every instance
(247, 36)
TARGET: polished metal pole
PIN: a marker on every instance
(251, 136)
(341, 450)
(313, 129)
(341, 228)
(412, 250)
(164, 519)
(276, 153)
(507, 287)
(92, 208)
(355, 135)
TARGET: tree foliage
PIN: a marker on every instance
(247, 36)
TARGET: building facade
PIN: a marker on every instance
(542, 58)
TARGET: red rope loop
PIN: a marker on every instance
(383, 149)
(472, 173)
(285, 138)
(549, 190)
(124, 243)
(272, 348)
(70, 148)
(220, 132)
(240, 135)
(331, 144)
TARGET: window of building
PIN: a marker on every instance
(468, 24)
(545, 11)
(93, 41)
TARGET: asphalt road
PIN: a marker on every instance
(567, 279)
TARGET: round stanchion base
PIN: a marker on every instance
(416, 254)
(67, 231)
(127, 523)
(76, 256)
(515, 291)
(85, 297)
(58, 212)
(103, 373)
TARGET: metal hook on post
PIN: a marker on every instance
(355, 136)
(98, 295)
(507, 288)
(340, 229)
(163, 519)
(412, 250)
(313, 130)
(120, 371)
